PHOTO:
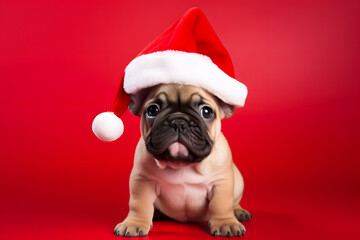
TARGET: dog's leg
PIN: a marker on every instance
(241, 214)
(222, 221)
(141, 204)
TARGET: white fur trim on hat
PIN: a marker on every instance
(107, 126)
(183, 68)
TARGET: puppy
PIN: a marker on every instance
(183, 165)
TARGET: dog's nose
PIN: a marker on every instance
(179, 125)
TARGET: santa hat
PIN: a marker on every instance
(188, 52)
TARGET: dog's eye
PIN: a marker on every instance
(207, 112)
(152, 110)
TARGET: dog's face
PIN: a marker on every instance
(179, 123)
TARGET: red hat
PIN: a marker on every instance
(188, 52)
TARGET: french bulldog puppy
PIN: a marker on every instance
(183, 165)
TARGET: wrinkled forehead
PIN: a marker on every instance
(181, 93)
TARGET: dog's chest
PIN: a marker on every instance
(183, 194)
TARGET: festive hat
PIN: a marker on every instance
(188, 52)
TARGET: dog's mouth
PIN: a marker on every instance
(178, 150)
(179, 154)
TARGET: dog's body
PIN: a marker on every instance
(184, 193)
(183, 165)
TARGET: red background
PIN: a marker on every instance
(296, 141)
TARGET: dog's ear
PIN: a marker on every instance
(136, 102)
(227, 110)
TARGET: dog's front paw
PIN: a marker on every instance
(132, 228)
(242, 215)
(226, 227)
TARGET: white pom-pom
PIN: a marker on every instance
(107, 126)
